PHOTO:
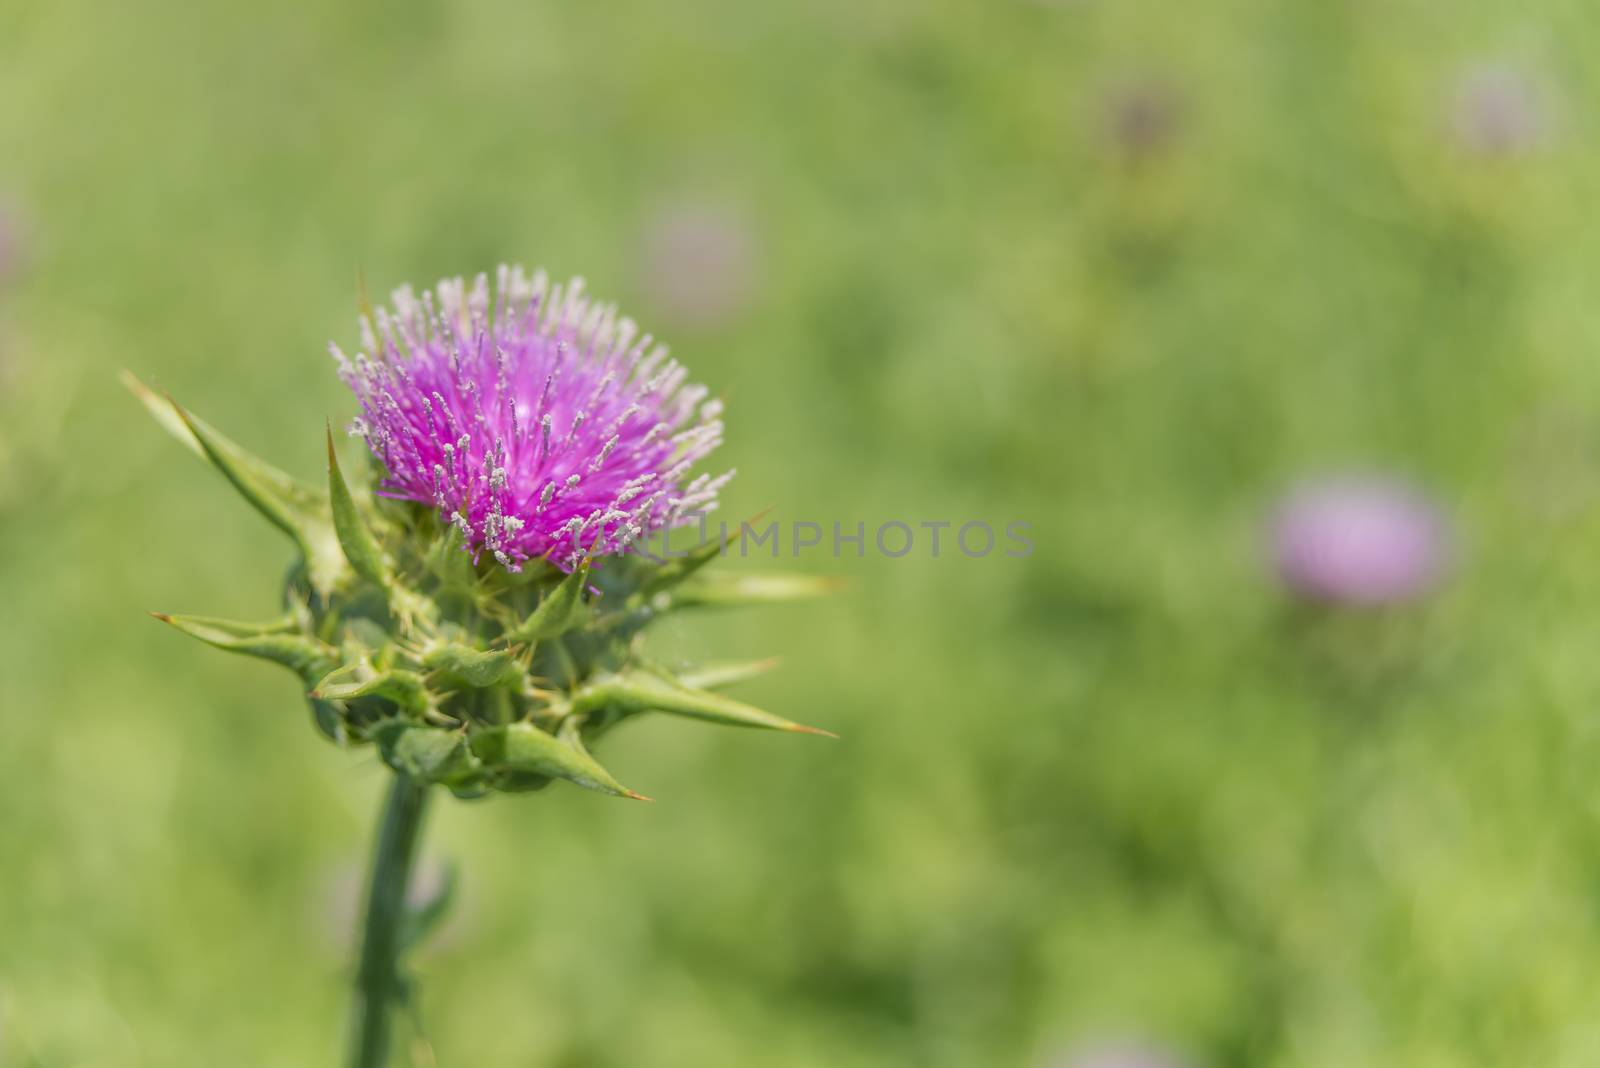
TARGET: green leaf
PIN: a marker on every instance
(561, 610)
(731, 590)
(298, 510)
(717, 674)
(523, 748)
(641, 691)
(357, 542)
(304, 656)
(477, 668)
(427, 754)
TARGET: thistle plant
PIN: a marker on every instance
(477, 614)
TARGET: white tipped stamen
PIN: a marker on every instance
(605, 451)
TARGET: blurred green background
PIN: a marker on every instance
(1124, 270)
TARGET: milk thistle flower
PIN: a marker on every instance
(538, 423)
(477, 616)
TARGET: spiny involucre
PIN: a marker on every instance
(478, 617)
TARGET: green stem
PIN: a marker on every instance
(379, 988)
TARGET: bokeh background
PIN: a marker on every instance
(1127, 271)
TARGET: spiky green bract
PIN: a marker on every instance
(459, 672)
(355, 540)
(296, 509)
(560, 610)
(651, 690)
(716, 674)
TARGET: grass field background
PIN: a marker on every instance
(1124, 271)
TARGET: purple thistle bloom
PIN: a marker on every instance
(1359, 541)
(540, 424)
(1499, 113)
(699, 260)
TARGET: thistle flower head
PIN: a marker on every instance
(540, 426)
(538, 422)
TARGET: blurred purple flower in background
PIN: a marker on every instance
(698, 261)
(1143, 119)
(1499, 112)
(1358, 540)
